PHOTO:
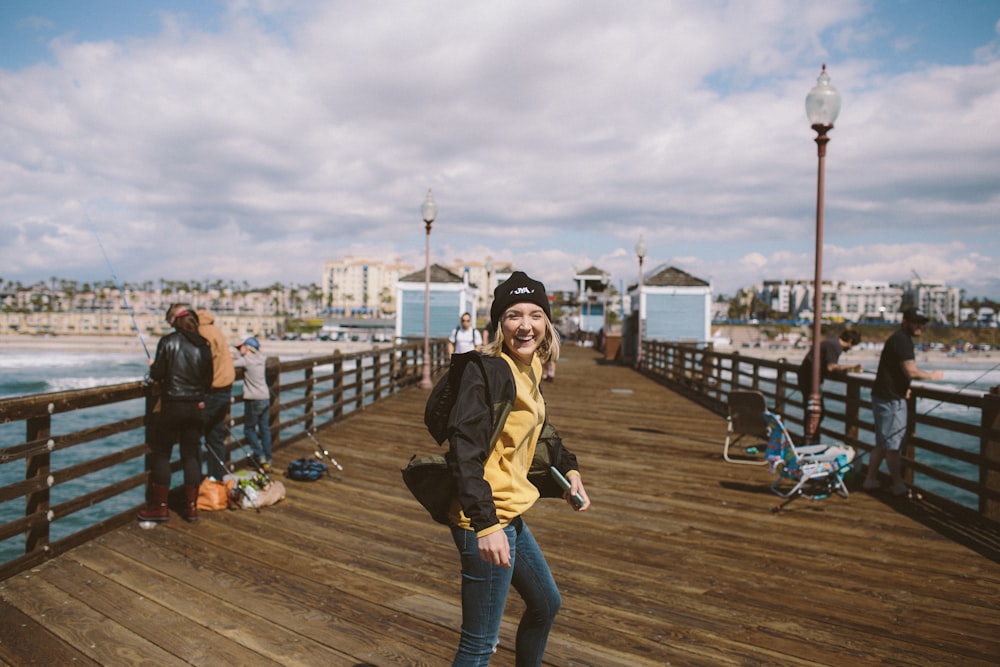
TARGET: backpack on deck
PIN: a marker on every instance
(305, 470)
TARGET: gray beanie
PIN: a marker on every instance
(519, 288)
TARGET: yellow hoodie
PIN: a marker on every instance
(506, 468)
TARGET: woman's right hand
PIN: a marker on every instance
(495, 549)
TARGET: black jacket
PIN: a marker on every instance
(183, 367)
(472, 436)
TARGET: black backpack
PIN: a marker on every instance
(445, 393)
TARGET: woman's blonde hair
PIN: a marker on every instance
(548, 349)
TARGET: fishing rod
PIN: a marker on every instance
(119, 286)
(240, 491)
(250, 456)
(321, 452)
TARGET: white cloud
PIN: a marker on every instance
(552, 133)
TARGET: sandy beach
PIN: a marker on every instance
(131, 344)
(866, 355)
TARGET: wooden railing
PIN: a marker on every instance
(952, 448)
(81, 481)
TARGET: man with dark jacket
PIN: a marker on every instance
(183, 369)
(829, 364)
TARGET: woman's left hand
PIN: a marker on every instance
(576, 487)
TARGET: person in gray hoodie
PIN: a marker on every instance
(256, 400)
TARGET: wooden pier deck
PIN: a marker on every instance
(680, 561)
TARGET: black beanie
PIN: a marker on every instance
(519, 288)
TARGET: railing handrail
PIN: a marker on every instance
(299, 405)
(709, 376)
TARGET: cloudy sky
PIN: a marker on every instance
(254, 139)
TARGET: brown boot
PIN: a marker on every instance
(156, 504)
(190, 503)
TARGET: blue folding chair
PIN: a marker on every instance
(814, 471)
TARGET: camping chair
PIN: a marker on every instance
(746, 419)
(816, 471)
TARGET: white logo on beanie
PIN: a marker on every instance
(522, 290)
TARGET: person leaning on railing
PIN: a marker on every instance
(896, 369)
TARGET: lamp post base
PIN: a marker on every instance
(814, 411)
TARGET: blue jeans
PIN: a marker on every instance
(484, 595)
(216, 409)
(257, 428)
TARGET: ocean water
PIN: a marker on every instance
(961, 376)
(28, 372)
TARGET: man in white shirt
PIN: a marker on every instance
(465, 337)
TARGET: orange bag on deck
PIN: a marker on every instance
(213, 495)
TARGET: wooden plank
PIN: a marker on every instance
(293, 601)
(224, 623)
(25, 641)
(74, 622)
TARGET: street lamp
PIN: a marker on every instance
(640, 252)
(822, 108)
(428, 211)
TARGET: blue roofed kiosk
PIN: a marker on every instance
(674, 306)
(450, 296)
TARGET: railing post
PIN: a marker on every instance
(377, 378)
(272, 375)
(852, 411)
(338, 385)
(989, 479)
(359, 382)
(780, 387)
(38, 465)
(908, 450)
(310, 392)
(152, 413)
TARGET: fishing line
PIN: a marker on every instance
(119, 286)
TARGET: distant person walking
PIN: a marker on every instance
(896, 369)
(829, 356)
(183, 369)
(219, 397)
(465, 337)
(256, 400)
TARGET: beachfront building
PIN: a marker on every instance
(120, 323)
(485, 275)
(361, 287)
(940, 302)
(674, 306)
(591, 299)
(852, 301)
(451, 295)
(860, 301)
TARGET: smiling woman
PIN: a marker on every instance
(491, 464)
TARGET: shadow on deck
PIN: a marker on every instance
(680, 561)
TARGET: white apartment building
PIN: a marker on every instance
(485, 276)
(940, 302)
(360, 286)
(865, 300)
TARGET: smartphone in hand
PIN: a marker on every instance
(565, 485)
